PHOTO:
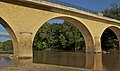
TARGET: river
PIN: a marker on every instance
(95, 61)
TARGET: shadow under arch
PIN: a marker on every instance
(89, 43)
(115, 30)
(12, 35)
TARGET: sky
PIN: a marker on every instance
(95, 5)
(4, 35)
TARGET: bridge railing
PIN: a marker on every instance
(70, 5)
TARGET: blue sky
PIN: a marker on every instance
(95, 5)
(3, 37)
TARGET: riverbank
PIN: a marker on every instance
(6, 56)
(41, 67)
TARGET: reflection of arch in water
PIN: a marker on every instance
(22, 61)
(94, 61)
(89, 44)
(11, 33)
(116, 31)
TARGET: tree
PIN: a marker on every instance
(62, 41)
(7, 45)
(59, 37)
(109, 40)
(113, 12)
(1, 45)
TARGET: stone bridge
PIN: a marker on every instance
(23, 18)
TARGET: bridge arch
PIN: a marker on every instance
(12, 35)
(115, 30)
(89, 43)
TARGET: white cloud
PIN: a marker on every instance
(4, 34)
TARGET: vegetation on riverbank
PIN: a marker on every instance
(6, 46)
(59, 36)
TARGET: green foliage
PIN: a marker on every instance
(109, 40)
(113, 12)
(59, 37)
(7, 45)
(0, 45)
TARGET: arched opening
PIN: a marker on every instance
(68, 38)
(89, 44)
(8, 39)
(61, 36)
(5, 40)
(110, 46)
(110, 39)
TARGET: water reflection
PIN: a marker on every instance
(89, 60)
(60, 58)
(98, 61)
(111, 62)
(74, 59)
(5, 61)
(94, 61)
(22, 61)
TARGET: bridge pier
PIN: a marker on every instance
(89, 49)
(97, 45)
(24, 50)
(94, 47)
(94, 61)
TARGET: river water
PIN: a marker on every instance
(95, 61)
